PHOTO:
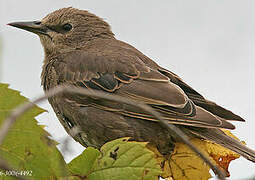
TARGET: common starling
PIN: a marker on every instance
(81, 50)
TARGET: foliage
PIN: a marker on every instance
(184, 164)
(28, 148)
(118, 159)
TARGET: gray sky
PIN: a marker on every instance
(210, 44)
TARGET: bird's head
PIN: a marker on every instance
(67, 29)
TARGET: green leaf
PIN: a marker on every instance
(83, 164)
(119, 159)
(27, 146)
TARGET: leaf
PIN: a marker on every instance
(83, 164)
(184, 164)
(27, 146)
(222, 156)
(118, 159)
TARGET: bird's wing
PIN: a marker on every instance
(129, 77)
(199, 100)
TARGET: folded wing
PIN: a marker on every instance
(130, 77)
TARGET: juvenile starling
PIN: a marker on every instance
(81, 50)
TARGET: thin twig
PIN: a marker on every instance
(61, 89)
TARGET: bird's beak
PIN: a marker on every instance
(31, 26)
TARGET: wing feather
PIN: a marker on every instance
(199, 100)
(134, 79)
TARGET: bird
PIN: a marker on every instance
(82, 51)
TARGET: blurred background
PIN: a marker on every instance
(210, 44)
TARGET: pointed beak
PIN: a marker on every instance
(31, 26)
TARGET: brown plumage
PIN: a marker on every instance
(81, 50)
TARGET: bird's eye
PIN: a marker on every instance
(67, 27)
(37, 22)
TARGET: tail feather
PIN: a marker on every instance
(219, 137)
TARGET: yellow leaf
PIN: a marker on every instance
(221, 155)
(184, 164)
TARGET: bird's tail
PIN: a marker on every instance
(226, 141)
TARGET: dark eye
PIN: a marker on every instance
(37, 22)
(67, 27)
